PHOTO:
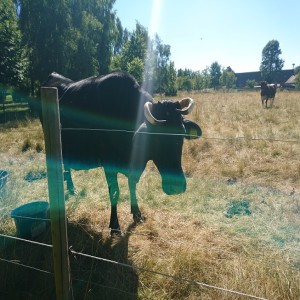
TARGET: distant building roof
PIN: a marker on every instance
(242, 78)
(291, 80)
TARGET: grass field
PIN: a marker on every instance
(11, 110)
(235, 228)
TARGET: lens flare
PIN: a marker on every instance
(138, 152)
(150, 58)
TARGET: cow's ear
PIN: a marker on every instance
(192, 130)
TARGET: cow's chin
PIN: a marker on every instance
(174, 187)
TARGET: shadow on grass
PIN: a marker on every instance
(91, 278)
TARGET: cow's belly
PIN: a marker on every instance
(94, 149)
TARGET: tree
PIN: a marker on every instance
(206, 78)
(46, 27)
(95, 37)
(297, 80)
(215, 74)
(198, 81)
(171, 87)
(271, 63)
(297, 77)
(13, 59)
(161, 64)
(141, 53)
(121, 37)
(84, 50)
(186, 84)
(250, 83)
(185, 79)
(72, 37)
(108, 35)
(228, 78)
(136, 69)
(135, 47)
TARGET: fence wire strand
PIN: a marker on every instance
(15, 262)
(196, 283)
(172, 242)
(176, 278)
(297, 141)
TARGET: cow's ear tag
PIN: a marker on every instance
(192, 130)
(193, 134)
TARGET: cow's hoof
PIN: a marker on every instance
(116, 233)
(73, 192)
(138, 218)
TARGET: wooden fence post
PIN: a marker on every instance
(51, 127)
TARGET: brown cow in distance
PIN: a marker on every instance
(268, 91)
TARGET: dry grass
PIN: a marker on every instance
(188, 235)
(232, 115)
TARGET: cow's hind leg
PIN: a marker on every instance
(267, 99)
(68, 179)
(114, 193)
(135, 210)
(263, 100)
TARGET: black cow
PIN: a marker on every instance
(111, 122)
(268, 91)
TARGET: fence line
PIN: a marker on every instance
(104, 286)
(176, 278)
(26, 241)
(181, 134)
(26, 266)
(172, 134)
(139, 268)
(121, 232)
(197, 283)
(73, 279)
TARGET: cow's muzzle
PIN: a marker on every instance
(175, 184)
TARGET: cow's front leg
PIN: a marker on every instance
(114, 193)
(70, 186)
(135, 210)
(264, 101)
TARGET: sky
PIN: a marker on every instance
(230, 32)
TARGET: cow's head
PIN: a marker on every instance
(263, 84)
(163, 134)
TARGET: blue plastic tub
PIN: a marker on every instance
(31, 219)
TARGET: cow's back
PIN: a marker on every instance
(111, 101)
(58, 81)
(98, 117)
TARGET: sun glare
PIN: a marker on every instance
(155, 17)
(147, 82)
(153, 28)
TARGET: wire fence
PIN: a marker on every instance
(175, 278)
(122, 232)
(73, 254)
(235, 138)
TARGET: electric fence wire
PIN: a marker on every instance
(176, 278)
(297, 141)
(134, 267)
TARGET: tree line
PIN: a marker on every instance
(83, 38)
